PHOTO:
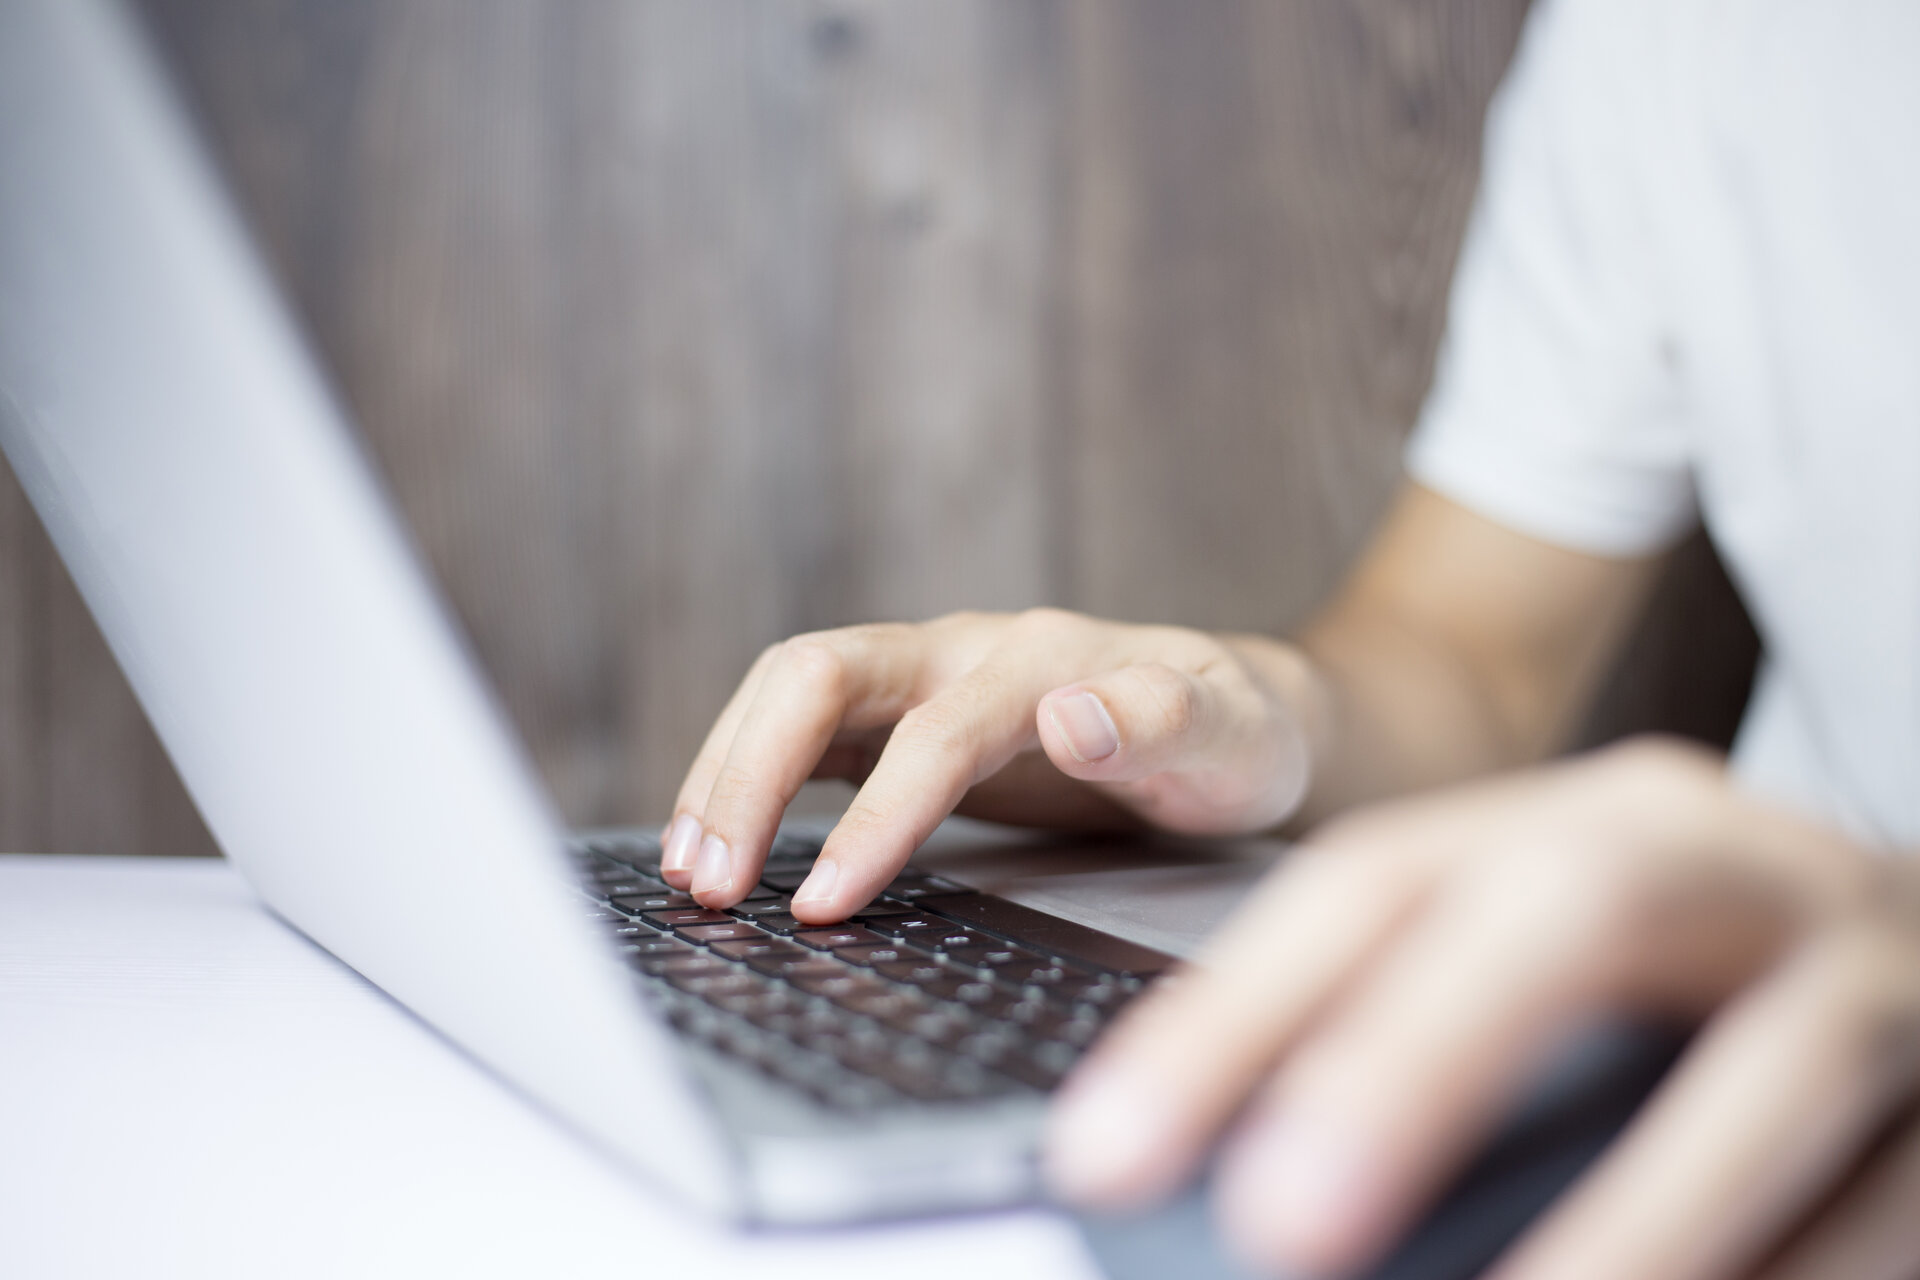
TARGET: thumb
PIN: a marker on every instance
(1186, 751)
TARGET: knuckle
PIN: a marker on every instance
(1168, 696)
(732, 784)
(816, 660)
(874, 635)
(1045, 620)
(1188, 647)
(1575, 889)
(941, 728)
(1656, 765)
(1561, 909)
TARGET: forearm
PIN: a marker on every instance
(1382, 712)
(1456, 648)
(1399, 713)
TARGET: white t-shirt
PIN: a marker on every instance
(1691, 291)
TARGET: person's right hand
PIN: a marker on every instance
(1176, 728)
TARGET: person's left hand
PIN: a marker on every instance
(1385, 994)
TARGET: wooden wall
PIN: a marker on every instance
(681, 325)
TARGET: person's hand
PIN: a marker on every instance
(1042, 718)
(1382, 998)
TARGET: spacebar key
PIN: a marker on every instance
(1046, 933)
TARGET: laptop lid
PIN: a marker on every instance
(204, 490)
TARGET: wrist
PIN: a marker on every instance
(1300, 708)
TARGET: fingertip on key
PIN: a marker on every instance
(679, 849)
(816, 892)
(712, 868)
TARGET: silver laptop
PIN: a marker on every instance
(202, 484)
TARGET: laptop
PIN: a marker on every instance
(202, 484)
(205, 490)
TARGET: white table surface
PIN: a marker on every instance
(189, 1088)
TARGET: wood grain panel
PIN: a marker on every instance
(1268, 200)
(682, 325)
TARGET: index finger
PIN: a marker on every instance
(814, 686)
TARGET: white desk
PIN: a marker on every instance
(188, 1088)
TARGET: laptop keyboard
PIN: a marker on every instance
(935, 993)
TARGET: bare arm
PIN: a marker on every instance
(1457, 647)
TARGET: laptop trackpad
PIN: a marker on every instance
(1161, 893)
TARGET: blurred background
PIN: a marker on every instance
(679, 326)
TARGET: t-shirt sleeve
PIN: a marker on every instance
(1556, 407)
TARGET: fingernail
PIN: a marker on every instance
(1104, 1132)
(1083, 722)
(683, 839)
(714, 870)
(819, 884)
(1300, 1193)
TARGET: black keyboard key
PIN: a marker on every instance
(760, 1002)
(1037, 975)
(912, 926)
(1034, 1075)
(762, 907)
(778, 964)
(880, 953)
(1100, 993)
(950, 986)
(889, 1005)
(627, 888)
(977, 993)
(655, 945)
(961, 1079)
(881, 908)
(989, 1045)
(909, 885)
(834, 985)
(956, 940)
(634, 849)
(709, 986)
(707, 934)
(995, 1002)
(998, 955)
(689, 963)
(945, 1029)
(916, 971)
(1049, 934)
(796, 1024)
(1078, 1032)
(685, 917)
(942, 1024)
(635, 904)
(782, 922)
(784, 881)
(759, 946)
(835, 938)
(791, 846)
(1031, 1015)
(614, 873)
